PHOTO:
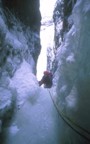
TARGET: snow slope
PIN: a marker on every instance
(37, 121)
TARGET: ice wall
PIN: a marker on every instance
(19, 50)
(72, 77)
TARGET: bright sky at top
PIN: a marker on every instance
(46, 7)
(46, 35)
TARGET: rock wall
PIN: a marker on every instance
(72, 71)
(27, 18)
(27, 11)
(62, 19)
(19, 43)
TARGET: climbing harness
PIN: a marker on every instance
(76, 127)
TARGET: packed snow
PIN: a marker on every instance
(25, 83)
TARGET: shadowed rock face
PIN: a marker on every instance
(62, 12)
(27, 11)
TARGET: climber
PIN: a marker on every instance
(46, 79)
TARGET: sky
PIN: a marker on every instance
(46, 35)
(46, 7)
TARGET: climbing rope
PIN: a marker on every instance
(77, 128)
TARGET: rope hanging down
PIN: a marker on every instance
(77, 128)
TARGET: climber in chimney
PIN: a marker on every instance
(46, 79)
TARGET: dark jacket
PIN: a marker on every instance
(46, 80)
